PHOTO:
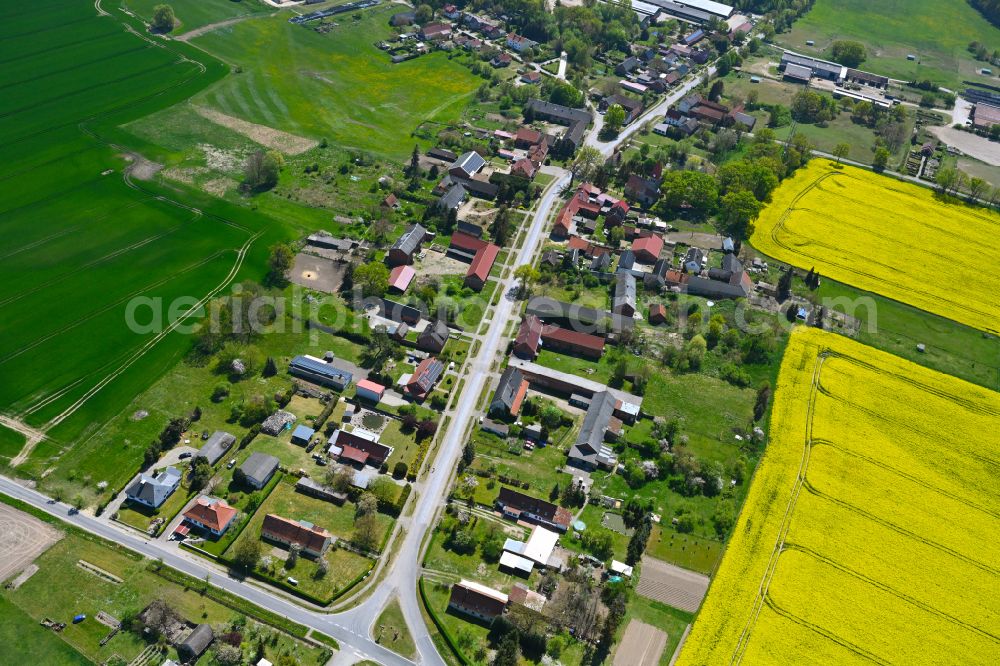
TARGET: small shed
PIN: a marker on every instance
(196, 643)
(302, 435)
(369, 390)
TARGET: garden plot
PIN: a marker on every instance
(671, 584)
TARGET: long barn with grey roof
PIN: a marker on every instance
(407, 245)
(320, 372)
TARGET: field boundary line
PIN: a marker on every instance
(762, 595)
(138, 354)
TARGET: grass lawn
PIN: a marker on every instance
(538, 467)
(404, 446)
(708, 408)
(685, 550)
(466, 631)
(840, 130)
(62, 589)
(344, 89)
(236, 496)
(344, 566)
(472, 566)
(113, 452)
(936, 31)
(467, 305)
(139, 516)
(598, 296)
(390, 631)
(897, 328)
(599, 371)
(25, 641)
(338, 520)
(456, 350)
(592, 515)
(843, 130)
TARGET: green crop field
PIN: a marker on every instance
(336, 86)
(82, 238)
(936, 31)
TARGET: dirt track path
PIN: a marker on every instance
(198, 32)
(31, 436)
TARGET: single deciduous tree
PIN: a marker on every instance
(163, 18)
(841, 150)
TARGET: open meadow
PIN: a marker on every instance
(936, 31)
(863, 536)
(336, 86)
(892, 238)
(195, 14)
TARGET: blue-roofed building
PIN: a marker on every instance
(302, 435)
(694, 37)
(320, 372)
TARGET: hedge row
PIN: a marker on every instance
(440, 626)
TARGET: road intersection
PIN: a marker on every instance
(352, 627)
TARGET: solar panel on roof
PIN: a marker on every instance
(320, 367)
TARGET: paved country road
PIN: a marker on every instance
(352, 628)
(330, 625)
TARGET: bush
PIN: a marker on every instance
(399, 470)
(220, 393)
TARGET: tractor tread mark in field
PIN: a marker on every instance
(62, 97)
(185, 79)
(50, 27)
(876, 208)
(56, 195)
(75, 66)
(22, 55)
(110, 306)
(786, 520)
(899, 529)
(795, 249)
(825, 633)
(79, 122)
(970, 405)
(74, 228)
(91, 264)
(903, 424)
(888, 589)
(139, 353)
(909, 477)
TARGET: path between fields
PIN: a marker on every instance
(32, 437)
(283, 142)
(198, 32)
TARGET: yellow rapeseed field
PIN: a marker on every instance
(889, 237)
(871, 532)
